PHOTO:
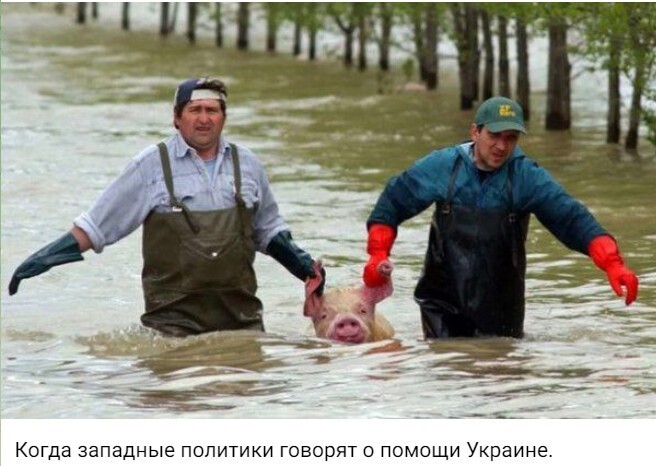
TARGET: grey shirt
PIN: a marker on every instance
(140, 189)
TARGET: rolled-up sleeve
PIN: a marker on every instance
(119, 210)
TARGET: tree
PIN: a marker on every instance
(164, 19)
(465, 19)
(192, 11)
(386, 15)
(125, 16)
(343, 14)
(81, 16)
(488, 80)
(243, 21)
(523, 75)
(504, 62)
(621, 36)
(273, 13)
(558, 113)
(218, 30)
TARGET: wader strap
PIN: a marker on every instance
(168, 179)
(512, 218)
(446, 208)
(241, 205)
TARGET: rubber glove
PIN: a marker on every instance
(61, 251)
(284, 250)
(379, 245)
(603, 251)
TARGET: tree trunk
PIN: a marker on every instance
(640, 68)
(219, 26)
(488, 74)
(192, 10)
(347, 30)
(125, 16)
(362, 41)
(466, 28)
(243, 17)
(164, 19)
(272, 28)
(94, 10)
(504, 63)
(81, 17)
(420, 45)
(631, 143)
(473, 53)
(558, 86)
(523, 75)
(312, 47)
(613, 126)
(348, 48)
(313, 29)
(386, 35)
(174, 18)
(298, 33)
(430, 48)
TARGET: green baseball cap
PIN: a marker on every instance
(500, 114)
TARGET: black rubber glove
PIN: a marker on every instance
(60, 251)
(283, 249)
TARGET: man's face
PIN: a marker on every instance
(491, 150)
(200, 124)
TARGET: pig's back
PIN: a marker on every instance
(382, 328)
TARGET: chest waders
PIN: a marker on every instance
(198, 271)
(474, 271)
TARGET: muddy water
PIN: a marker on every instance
(77, 103)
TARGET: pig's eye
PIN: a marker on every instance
(323, 316)
(363, 310)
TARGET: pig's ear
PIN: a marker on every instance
(372, 296)
(313, 303)
(312, 284)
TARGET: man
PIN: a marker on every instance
(206, 206)
(484, 190)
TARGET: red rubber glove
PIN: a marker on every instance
(603, 251)
(379, 244)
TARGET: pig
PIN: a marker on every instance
(348, 314)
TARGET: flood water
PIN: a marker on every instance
(79, 102)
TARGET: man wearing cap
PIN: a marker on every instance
(484, 190)
(206, 207)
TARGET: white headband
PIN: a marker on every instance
(199, 94)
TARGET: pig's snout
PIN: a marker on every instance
(350, 330)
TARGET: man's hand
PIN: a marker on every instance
(603, 251)
(379, 245)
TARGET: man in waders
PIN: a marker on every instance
(206, 206)
(484, 190)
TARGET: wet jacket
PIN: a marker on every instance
(473, 278)
(533, 189)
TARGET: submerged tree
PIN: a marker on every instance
(465, 19)
(125, 16)
(559, 106)
(243, 24)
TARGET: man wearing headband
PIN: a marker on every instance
(206, 207)
(484, 190)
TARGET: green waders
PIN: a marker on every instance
(198, 271)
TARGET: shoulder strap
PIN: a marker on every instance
(168, 176)
(446, 208)
(237, 174)
(168, 179)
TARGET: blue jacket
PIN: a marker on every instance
(534, 191)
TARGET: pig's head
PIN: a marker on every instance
(345, 314)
